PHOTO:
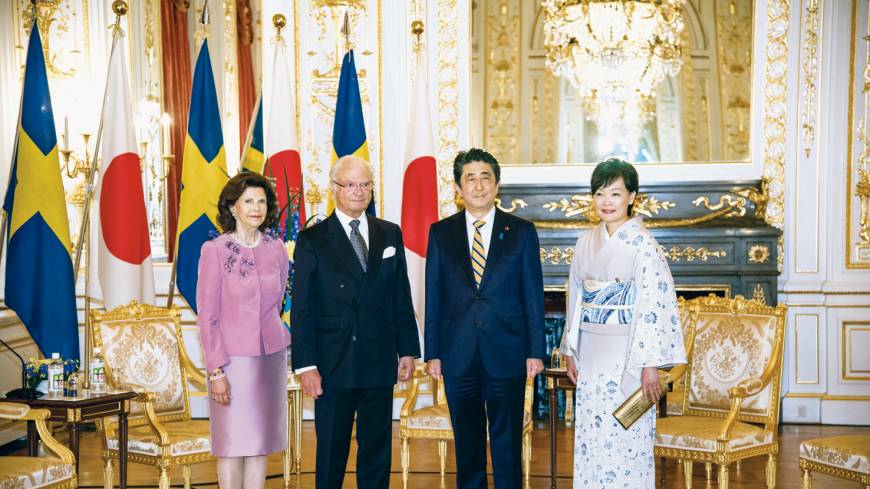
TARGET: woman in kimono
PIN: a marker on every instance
(621, 326)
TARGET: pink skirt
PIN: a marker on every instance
(255, 421)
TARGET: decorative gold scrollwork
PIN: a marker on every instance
(758, 254)
(737, 205)
(515, 203)
(648, 205)
(556, 255)
(690, 253)
(758, 294)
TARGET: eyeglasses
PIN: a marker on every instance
(351, 186)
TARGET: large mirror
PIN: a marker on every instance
(577, 81)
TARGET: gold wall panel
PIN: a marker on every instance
(502, 105)
(854, 343)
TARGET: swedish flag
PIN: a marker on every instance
(203, 175)
(349, 129)
(253, 159)
(40, 287)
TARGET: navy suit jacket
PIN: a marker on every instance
(503, 320)
(352, 325)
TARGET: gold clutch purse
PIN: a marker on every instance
(637, 404)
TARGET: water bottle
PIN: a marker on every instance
(98, 371)
(55, 376)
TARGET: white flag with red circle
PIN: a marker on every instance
(120, 251)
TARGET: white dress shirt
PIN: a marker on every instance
(485, 230)
(344, 219)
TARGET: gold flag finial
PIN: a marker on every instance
(345, 29)
(204, 18)
(279, 21)
(119, 7)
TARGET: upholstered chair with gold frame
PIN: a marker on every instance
(144, 351)
(732, 389)
(846, 457)
(433, 422)
(37, 472)
(688, 316)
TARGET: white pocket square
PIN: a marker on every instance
(388, 252)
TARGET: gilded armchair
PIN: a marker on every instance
(144, 351)
(846, 457)
(732, 389)
(433, 422)
(57, 472)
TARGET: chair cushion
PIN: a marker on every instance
(699, 433)
(185, 437)
(850, 452)
(32, 472)
(435, 417)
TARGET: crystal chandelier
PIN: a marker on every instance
(614, 51)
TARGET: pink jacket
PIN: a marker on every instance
(238, 296)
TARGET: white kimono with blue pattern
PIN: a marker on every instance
(620, 282)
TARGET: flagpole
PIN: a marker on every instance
(120, 9)
(250, 136)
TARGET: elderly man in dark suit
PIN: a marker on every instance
(354, 330)
(484, 322)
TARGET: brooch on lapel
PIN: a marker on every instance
(501, 234)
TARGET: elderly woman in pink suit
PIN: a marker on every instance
(242, 276)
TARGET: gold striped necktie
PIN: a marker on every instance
(478, 253)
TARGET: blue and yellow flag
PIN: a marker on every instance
(204, 173)
(40, 287)
(253, 159)
(349, 129)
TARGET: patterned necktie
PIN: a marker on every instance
(478, 253)
(358, 243)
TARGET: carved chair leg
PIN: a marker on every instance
(185, 472)
(723, 476)
(527, 455)
(807, 479)
(108, 473)
(771, 471)
(163, 483)
(442, 455)
(709, 468)
(687, 473)
(406, 459)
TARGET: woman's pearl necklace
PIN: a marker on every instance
(238, 238)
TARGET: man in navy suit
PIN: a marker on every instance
(354, 330)
(484, 322)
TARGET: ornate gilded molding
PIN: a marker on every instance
(857, 253)
(758, 254)
(758, 294)
(734, 40)
(737, 207)
(647, 205)
(56, 21)
(502, 104)
(809, 71)
(556, 255)
(775, 76)
(448, 101)
(515, 204)
(690, 253)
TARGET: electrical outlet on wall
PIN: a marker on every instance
(801, 411)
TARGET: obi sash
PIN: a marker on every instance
(608, 302)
